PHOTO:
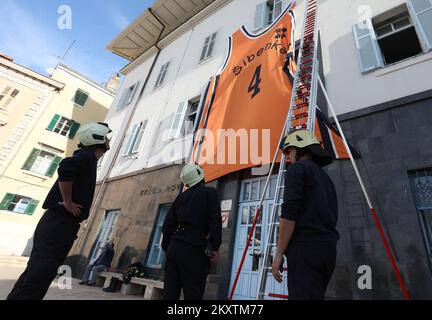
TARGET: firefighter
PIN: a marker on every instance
(307, 230)
(191, 236)
(67, 205)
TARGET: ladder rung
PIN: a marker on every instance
(276, 295)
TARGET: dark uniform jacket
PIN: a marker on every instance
(194, 214)
(106, 257)
(310, 200)
(81, 168)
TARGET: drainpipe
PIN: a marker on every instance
(101, 191)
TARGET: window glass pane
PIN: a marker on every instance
(59, 125)
(420, 5)
(22, 205)
(426, 22)
(246, 191)
(384, 30)
(255, 260)
(257, 238)
(402, 23)
(252, 210)
(12, 204)
(14, 93)
(42, 163)
(254, 192)
(244, 218)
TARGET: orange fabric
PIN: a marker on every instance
(252, 92)
(341, 151)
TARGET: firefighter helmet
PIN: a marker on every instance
(191, 175)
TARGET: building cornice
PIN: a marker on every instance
(182, 29)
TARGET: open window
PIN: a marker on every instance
(18, 204)
(185, 118)
(396, 35)
(128, 95)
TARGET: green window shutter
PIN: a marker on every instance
(6, 201)
(31, 208)
(54, 165)
(73, 130)
(80, 97)
(53, 122)
(31, 159)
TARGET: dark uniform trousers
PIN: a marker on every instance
(53, 239)
(186, 268)
(310, 268)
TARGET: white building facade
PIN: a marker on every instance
(377, 60)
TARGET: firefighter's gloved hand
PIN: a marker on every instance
(277, 267)
(72, 207)
(214, 256)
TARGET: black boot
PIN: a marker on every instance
(112, 286)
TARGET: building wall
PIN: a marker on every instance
(18, 228)
(371, 131)
(21, 116)
(348, 88)
(396, 142)
(138, 197)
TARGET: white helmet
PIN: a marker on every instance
(95, 133)
(191, 175)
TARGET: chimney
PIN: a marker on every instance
(113, 83)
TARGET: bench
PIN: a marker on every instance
(148, 288)
(103, 279)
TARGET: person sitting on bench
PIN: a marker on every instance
(102, 263)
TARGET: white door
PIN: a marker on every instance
(247, 286)
(105, 233)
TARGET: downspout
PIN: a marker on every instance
(101, 191)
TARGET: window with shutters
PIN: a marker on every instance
(162, 74)
(191, 118)
(396, 35)
(397, 38)
(268, 11)
(42, 162)
(127, 96)
(134, 138)
(184, 118)
(18, 204)
(80, 98)
(63, 126)
(209, 44)
(7, 96)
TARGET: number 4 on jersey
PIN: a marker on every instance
(256, 80)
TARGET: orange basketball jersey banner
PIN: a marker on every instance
(247, 102)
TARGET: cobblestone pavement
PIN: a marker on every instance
(11, 269)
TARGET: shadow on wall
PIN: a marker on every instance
(28, 248)
(127, 257)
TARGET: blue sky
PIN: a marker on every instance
(29, 33)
